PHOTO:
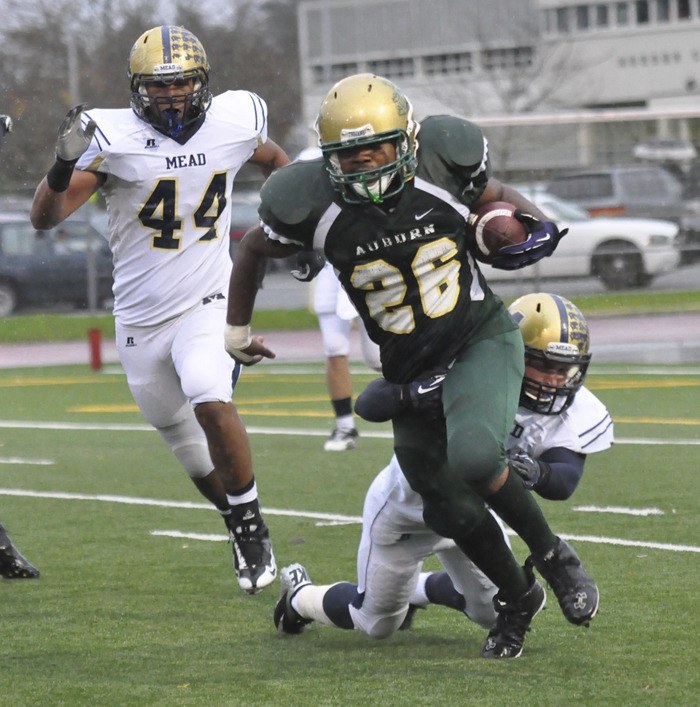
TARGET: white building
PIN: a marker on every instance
(554, 83)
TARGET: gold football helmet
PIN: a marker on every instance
(360, 110)
(169, 55)
(556, 340)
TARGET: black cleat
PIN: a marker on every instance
(13, 565)
(253, 558)
(286, 618)
(506, 638)
(576, 592)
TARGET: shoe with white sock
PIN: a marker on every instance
(341, 440)
(286, 618)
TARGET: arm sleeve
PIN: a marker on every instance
(562, 470)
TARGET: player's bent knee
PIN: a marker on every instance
(189, 445)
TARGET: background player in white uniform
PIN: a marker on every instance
(336, 317)
(166, 168)
(558, 423)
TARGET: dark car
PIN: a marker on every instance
(638, 190)
(50, 267)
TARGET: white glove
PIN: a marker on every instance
(72, 139)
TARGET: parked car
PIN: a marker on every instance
(48, 267)
(640, 190)
(621, 252)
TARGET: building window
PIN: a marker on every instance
(582, 17)
(322, 73)
(601, 15)
(506, 59)
(563, 20)
(684, 12)
(445, 64)
(642, 7)
(622, 13)
(393, 68)
(663, 10)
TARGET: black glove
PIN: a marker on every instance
(309, 264)
(381, 400)
(542, 241)
(534, 473)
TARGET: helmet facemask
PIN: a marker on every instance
(373, 185)
(549, 398)
(160, 111)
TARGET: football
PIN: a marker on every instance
(494, 226)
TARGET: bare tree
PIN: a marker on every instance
(55, 53)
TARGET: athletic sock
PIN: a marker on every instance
(487, 548)
(440, 590)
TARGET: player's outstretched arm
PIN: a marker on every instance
(64, 189)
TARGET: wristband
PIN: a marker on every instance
(237, 337)
(58, 177)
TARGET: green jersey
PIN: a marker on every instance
(407, 264)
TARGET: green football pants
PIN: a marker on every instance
(446, 460)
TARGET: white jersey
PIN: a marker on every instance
(584, 427)
(169, 204)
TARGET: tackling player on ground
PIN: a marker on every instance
(166, 168)
(558, 423)
(389, 207)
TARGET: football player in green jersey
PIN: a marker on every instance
(388, 205)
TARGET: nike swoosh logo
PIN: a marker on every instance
(434, 385)
(418, 217)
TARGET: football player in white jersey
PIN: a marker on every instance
(558, 423)
(166, 167)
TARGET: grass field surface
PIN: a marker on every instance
(138, 605)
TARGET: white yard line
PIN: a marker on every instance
(292, 431)
(324, 518)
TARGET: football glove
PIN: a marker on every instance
(381, 400)
(544, 236)
(309, 264)
(73, 140)
(530, 470)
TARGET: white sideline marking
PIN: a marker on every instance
(22, 460)
(136, 501)
(188, 536)
(630, 543)
(292, 431)
(619, 509)
(332, 517)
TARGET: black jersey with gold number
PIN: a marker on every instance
(406, 264)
